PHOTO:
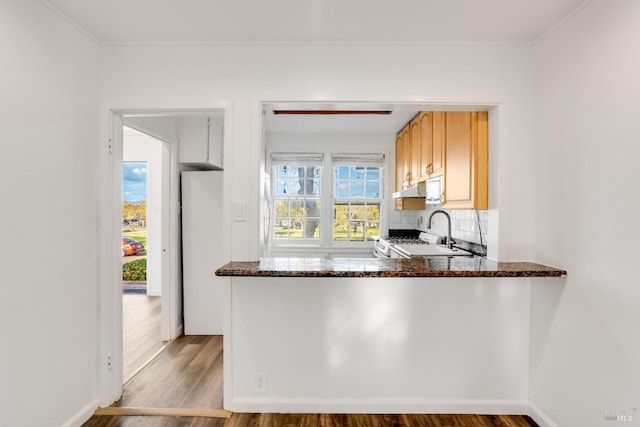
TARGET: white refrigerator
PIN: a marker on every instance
(202, 252)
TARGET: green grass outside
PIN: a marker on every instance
(140, 236)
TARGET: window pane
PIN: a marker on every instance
(357, 189)
(312, 228)
(294, 187)
(373, 229)
(341, 212)
(282, 187)
(341, 190)
(356, 232)
(312, 208)
(373, 190)
(296, 209)
(340, 230)
(311, 187)
(373, 174)
(357, 172)
(357, 212)
(373, 213)
(342, 172)
(281, 208)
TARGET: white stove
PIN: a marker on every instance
(388, 247)
(426, 244)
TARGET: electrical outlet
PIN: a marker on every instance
(261, 383)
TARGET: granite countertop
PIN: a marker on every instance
(387, 267)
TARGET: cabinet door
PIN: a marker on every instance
(425, 120)
(414, 151)
(399, 161)
(437, 144)
(200, 140)
(465, 172)
(407, 157)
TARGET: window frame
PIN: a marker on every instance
(297, 159)
(326, 200)
(355, 160)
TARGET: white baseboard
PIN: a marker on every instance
(381, 406)
(540, 417)
(82, 415)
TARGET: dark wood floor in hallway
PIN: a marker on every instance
(188, 374)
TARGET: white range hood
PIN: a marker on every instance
(418, 190)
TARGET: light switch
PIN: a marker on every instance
(240, 211)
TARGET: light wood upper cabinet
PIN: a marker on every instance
(408, 149)
(414, 151)
(466, 160)
(431, 151)
(406, 159)
(425, 123)
(451, 144)
(437, 149)
(399, 161)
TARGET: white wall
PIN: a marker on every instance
(586, 356)
(140, 147)
(48, 225)
(397, 345)
(200, 76)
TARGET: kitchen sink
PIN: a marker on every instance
(408, 251)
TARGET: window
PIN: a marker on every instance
(313, 209)
(357, 193)
(296, 189)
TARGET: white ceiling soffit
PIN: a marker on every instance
(293, 21)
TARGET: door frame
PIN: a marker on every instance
(109, 304)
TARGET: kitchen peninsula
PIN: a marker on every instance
(367, 335)
(389, 267)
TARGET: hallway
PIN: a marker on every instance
(141, 331)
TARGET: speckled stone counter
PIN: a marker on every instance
(387, 267)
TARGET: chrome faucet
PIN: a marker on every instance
(449, 241)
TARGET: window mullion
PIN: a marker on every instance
(326, 209)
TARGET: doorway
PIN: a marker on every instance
(159, 124)
(142, 252)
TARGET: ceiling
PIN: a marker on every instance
(143, 22)
(212, 21)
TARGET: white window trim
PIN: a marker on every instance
(326, 241)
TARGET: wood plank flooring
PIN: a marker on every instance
(141, 331)
(319, 420)
(188, 374)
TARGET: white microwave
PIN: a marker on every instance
(434, 191)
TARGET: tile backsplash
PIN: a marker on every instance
(404, 219)
(464, 223)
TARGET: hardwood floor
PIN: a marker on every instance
(321, 420)
(188, 374)
(141, 331)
